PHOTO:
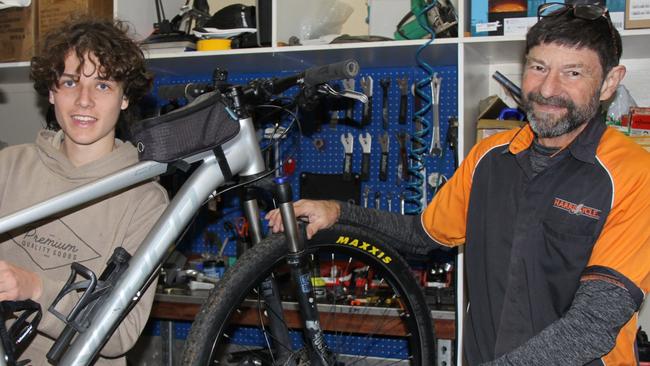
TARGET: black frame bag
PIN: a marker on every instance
(201, 125)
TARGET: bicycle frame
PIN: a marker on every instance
(244, 158)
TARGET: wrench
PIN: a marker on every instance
(384, 144)
(348, 146)
(348, 85)
(435, 147)
(366, 86)
(366, 145)
(402, 167)
(417, 121)
(385, 84)
(366, 193)
(403, 99)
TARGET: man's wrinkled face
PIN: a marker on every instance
(561, 88)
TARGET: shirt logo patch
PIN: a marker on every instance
(577, 209)
(54, 245)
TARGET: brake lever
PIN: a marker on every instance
(352, 94)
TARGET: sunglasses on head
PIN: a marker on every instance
(580, 11)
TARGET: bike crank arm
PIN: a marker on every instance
(298, 261)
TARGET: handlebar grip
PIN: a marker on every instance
(339, 70)
(191, 90)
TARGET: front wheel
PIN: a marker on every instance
(371, 308)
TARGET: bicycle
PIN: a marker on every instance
(361, 266)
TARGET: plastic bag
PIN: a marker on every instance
(620, 105)
(324, 17)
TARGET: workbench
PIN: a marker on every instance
(171, 307)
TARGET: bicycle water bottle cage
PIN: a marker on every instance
(88, 287)
(202, 125)
(22, 331)
(92, 287)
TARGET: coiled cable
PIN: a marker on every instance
(414, 195)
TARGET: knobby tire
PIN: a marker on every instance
(387, 273)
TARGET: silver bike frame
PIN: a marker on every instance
(244, 158)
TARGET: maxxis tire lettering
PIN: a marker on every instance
(365, 246)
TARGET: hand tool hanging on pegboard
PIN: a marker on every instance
(402, 165)
(366, 86)
(385, 84)
(435, 147)
(348, 146)
(366, 194)
(384, 144)
(349, 85)
(403, 84)
(366, 146)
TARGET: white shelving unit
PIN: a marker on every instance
(476, 59)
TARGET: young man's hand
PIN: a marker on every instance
(18, 284)
(319, 214)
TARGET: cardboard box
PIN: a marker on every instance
(488, 124)
(489, 127)
(18, 33)
(51, 13)
(637, 14)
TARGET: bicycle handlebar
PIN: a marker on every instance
(339, 70)
(267, 87)
(189, 90)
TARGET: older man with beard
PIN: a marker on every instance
(554, 216)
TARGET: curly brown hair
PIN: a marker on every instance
(119, 57)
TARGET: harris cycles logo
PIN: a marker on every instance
(367, 247)
(577, 209)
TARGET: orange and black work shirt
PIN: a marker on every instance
(530, 239)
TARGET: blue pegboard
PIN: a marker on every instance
(373, 346)
(181, 328)
(387, 347)
(329, 159)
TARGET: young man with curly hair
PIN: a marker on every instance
(91, 72)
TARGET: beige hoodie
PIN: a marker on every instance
(34, 172)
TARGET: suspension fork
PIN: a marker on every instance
(269, 289)
(298, 261)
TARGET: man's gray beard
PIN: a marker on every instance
(574, 118)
